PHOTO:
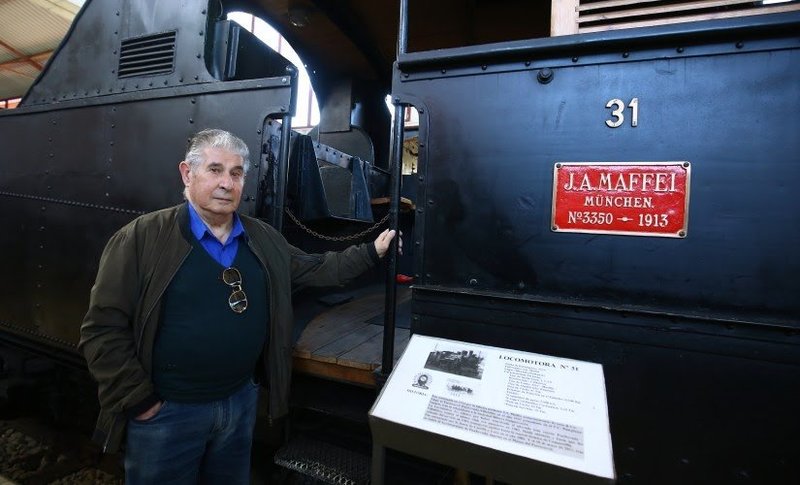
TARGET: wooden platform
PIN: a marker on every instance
(341, 344)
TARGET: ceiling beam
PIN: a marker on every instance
(18, 73)
(33, 60)
(20, 56)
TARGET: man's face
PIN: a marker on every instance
(215, 186)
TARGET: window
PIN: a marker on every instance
(307, 114)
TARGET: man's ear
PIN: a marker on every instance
(185, 169)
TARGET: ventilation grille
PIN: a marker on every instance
(147, 56)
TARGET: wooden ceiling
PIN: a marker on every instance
(360, 36)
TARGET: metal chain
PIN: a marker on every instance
(337, 238)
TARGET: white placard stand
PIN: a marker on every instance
(502, 413)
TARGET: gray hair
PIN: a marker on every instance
(214, 138)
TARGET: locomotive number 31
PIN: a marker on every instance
(618, 108)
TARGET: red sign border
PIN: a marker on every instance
(681, 234)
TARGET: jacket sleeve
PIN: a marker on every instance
(331, 268)
(107, 334)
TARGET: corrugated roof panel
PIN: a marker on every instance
(13, 84)
(63, 8)
(23, 69)
(29, 28)
(5, 55)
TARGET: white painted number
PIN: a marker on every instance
(634, 106)
(618, 112)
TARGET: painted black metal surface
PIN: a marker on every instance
(78, 164)
(115, 47)
(698, 336)
(731, 111)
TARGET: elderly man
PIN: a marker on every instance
(191, 307)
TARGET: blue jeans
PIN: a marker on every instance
(190, 443)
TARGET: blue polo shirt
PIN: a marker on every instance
(224, 254)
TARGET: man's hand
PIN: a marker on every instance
(154, 409)
(384, 239)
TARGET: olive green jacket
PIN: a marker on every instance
(137, 265)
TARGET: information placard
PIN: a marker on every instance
(540, 407)
(635, 199)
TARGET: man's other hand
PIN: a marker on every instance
(154, 409)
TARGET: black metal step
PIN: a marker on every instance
(323, 462)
